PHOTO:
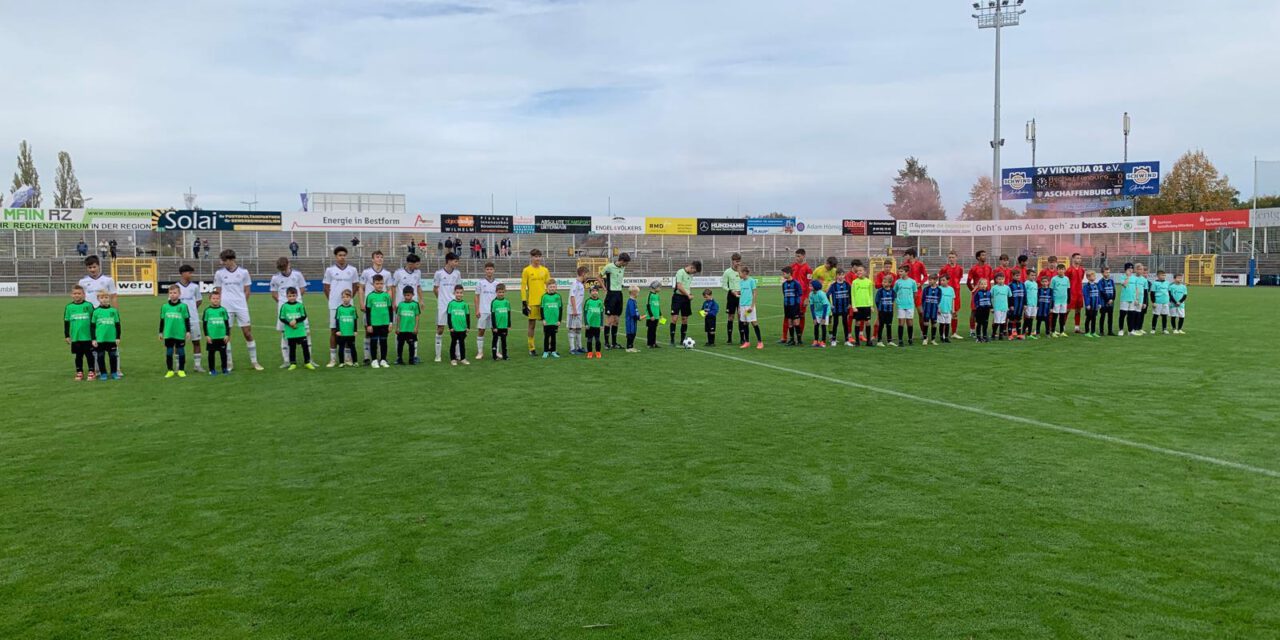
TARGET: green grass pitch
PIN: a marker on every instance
(940, 494)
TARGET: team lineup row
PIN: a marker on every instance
(1014, 304)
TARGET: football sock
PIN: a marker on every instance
(199, 360)
(367, 343)
(440, 343)
(284, 349)
(479, 345)
(911, 332)
(252, 346)
(684, 330)
(757, 328)
(333, 355)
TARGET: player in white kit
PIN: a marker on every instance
(233, 282)
(577, 294)
(338, 277)
(442, 284)
(366, 287)
(408, 276)
(486, 292)
(285, 278)
(93, 284)
(189, 294)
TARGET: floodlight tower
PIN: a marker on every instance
(1031, 137)
(997, 14)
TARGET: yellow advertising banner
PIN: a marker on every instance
(671, 226)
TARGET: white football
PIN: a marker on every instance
(689, 343)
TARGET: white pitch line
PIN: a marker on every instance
(1012, 418)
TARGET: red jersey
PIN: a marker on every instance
(917, 271)
(1022, 271)
(1005, 271)
(1076, 276)
(850, 276)
(978, 272)
(954, 273)
(1048, 273)
(804, 274)
(880, 276)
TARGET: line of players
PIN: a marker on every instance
(1014, 302)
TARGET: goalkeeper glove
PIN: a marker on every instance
(524, 308)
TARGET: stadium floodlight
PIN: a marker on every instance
(1126, 136)
(1031, 137)
(997, 16)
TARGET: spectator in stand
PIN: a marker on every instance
(111, 248)
(82, 248)
(411, 249)
(102, 249)
(293, 248)
(195, 248)
(204, 247)
(448, 245)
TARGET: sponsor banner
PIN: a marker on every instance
(1265, 218)
(562, 224)
(8, 289)
(1230, 279)
(819, 226)
(476, 224)
(341, 221)
(523, 224)
(1208, 220)
(207, 288)
(135, 288)
(644, 282)
(722, 226)
(1114, 224)
(215, 220)
(770, 226)
(1078, 206)
(617, 225)
(704, 282)
(868, 227)
(1081, 181)
(908, 228)
(76, 219)
(258, 286)
(671, 226)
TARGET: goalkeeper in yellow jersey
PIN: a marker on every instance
(533, 284)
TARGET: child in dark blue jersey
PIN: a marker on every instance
(1107, 289)
(982, 308)
(884, 311)
(1092, 293)
(632, 317)
(1017, 303)
(839, 293)
(710, 311)
(1044, 309)
(930, 298)
(792, 311)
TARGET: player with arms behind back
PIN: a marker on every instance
(339, 277)
(284, 278)
(233, 282)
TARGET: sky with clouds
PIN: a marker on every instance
(711, 108)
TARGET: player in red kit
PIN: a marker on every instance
(1003, 269)
(918, 272)
(1075, 296)
(801, 271)
(1021, 268)
(980, 271)
(1050, 269)
(954, 273)
(886, 271)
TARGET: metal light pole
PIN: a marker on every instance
(1126, 136)
(1031, 137)
(997, 14)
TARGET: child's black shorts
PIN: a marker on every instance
(792, 312)
(863, 313)
(82, 347)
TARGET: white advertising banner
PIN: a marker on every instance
(1265, 218)
(909, 228)
(820, 226)
(1115, 224)
(8, 289)
(617, 225)
(136, 288)
(358, 221)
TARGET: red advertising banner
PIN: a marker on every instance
(1205, 221)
